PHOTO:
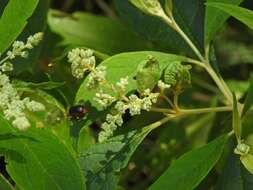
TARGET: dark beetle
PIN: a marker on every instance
(77, 112)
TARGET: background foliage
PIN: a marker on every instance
(110, 28)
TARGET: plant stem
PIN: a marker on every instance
(163, 110)
(205, 110)
(170, 21)
(160, 122)
(168, 100)
(203, 61)
(221, 85)
(218, 80)
(175, 101)
(4, 59)
(193, 111)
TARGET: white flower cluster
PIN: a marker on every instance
(81, 61)
(163, 85)
(84, 61)
(96, 77)
(134, 104)
(20, 48)
(13, 107)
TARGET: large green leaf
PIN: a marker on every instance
(123, 65)
(215, 18)
(234, 175)
(13, 20)
(189, 15)
(242, 14)
(190, 169)
(5, 184)
(102, 162)
(39, 16)
(36, 159)
(95, 32)
(249, 98)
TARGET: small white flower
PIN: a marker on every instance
(163, 85)
(121, 107)
(34, 106)
(6, 67)
(104, 99)
(21, 123)
(122, 84)
(81, 61)
(34, 40)
(135, 105)
(19, 48)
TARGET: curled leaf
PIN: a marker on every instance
(148, 74)
(247, 161)
(178, 76)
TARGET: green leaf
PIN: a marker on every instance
(215, 18)
(148, 74)
(249, 98)
(83, 29)
(169, 6)
(102, 162)
(189, 15)
(123, 65)
(237, 126)
(149, 7)
(14, 20)
(247, 161)
(36, 159)
(191, 168)
(5, 184)
(234, 176)
(242, 14)
(39, 16)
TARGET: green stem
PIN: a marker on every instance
(171, 22)
(163, 110)
(4, 59)
(168, 100)
(160, 122)
(220, 83)
(175, 101)
(205, 110)
(193, 111)
(203, 62)
(218, 80)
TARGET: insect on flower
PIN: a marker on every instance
(77, 112)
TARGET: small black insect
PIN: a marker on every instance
(77, 112)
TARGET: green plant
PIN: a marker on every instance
(130, 96)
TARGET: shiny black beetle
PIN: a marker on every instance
(77, 112)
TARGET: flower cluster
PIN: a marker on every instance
(134, 104)
(20, 48)
(84, 61)
(12, 106)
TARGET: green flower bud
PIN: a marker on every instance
(148, 74)
(178, 76)
(242, 149)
